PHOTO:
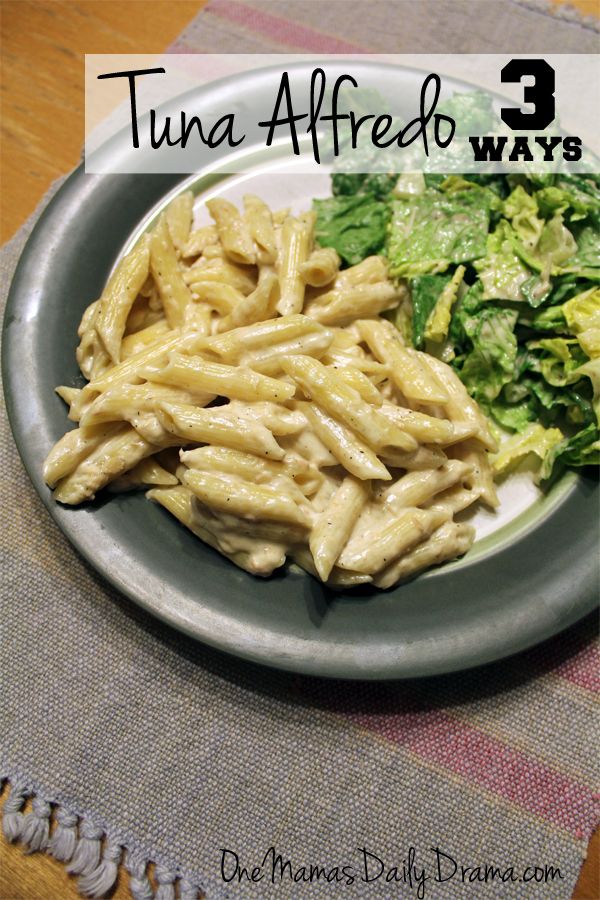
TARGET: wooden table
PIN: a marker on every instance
(43, 45)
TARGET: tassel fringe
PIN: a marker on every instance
(102, 878)
(12, 817)
(139, 885)
(35, 832)
(86, 850)
(64, 840)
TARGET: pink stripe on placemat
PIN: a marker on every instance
(488, 763)
(282, 30)
(582, 669)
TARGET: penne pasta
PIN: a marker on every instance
(218, 296)
(421, 458)
(262, 334)
(351, 453)
(174, 292)
(179, 214)
(255, 307)
(396, 537)
(148, 472)
(71, 397)
(449, 541)
(268, 359)
(371, 270)
(140, 340)
(128, 401)
(72, 448)
(334, 525)
(259, 222)
(233, 231)
(341, 306)
(332, 394)
(296, 245)
(117, 298)
(231, 494)
(356, 379)
(480, 478)
(218, 426)
(236, 383)
(248, 384)
(414, 380)
(199, 240)
(292, 470)
(242, 278)
(338, 578)
(179, 501)
(91, 355)
(321, 267)
(415, 488)
(458, 405)
(112, 457)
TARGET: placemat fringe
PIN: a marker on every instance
(12, 817)
(85, 849)
(166, 884)
(139, 884)
(188, 891)
(101, 879)
(64, 838)
(35, 830)
(87, 853)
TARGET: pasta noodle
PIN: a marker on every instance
(244, 380)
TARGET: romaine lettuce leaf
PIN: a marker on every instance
(521, 209)
(425, 291)
(438, 321)
(348, 184)
(577, 195)
(557, 360)
(591, 370)
(582, 312)
(355, 226)
(514, 416)
(501, 271)
(534, 439)
(472, 112)
(491, 363)
(582, 449)
(550, 319)
(431, 231)
(556, 244)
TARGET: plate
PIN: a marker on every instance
(530, 574)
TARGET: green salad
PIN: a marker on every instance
(503, 274)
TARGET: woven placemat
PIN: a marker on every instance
(140, 745)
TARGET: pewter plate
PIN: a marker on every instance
(531, 573)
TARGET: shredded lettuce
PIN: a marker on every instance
(491, 362)
(521, 209)
(582, 449)
(535, 439)
(355, 226)
(582, 315)
(503, 275)
(438, 320)
(432, 230)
